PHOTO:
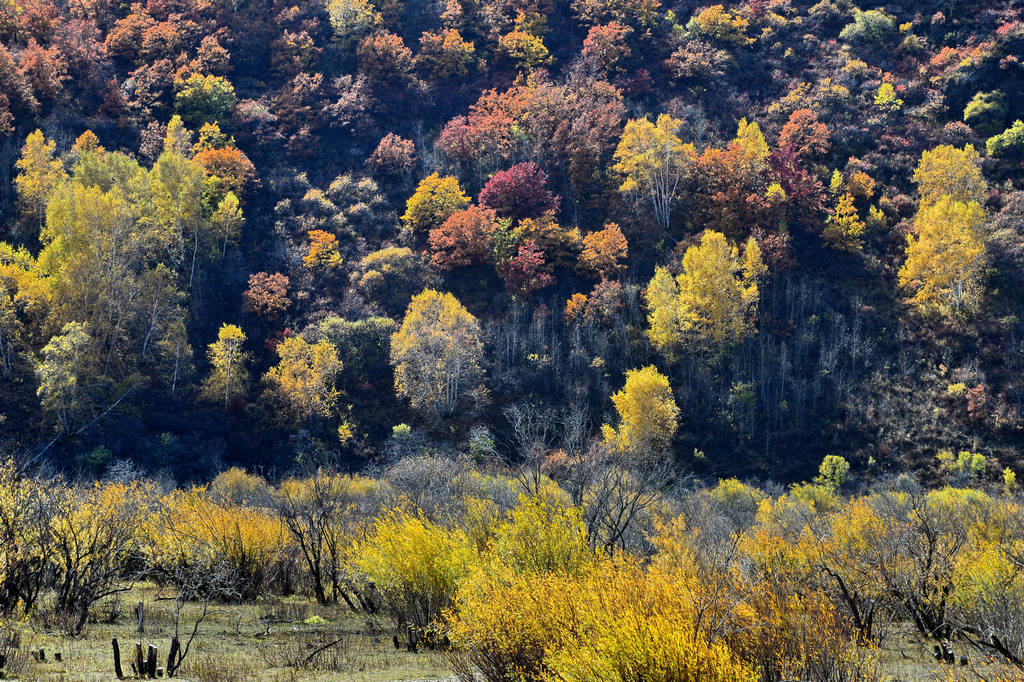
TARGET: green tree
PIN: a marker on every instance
(61, 373)
(204, 99)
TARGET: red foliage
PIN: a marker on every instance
(606, 45)
(464, 238)
(775, 248)
(522, 273)
(805, 134)
(519, 192)
(805, 192)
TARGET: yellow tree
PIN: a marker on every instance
(436, 355)
(654, 162)
(304, 377)
(434, 201)
(946, 258)
(950, 172)
(38, 174)
(229, 376)
(711, 304)
(648, 414)
(845, 229)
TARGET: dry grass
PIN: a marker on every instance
(269, 640)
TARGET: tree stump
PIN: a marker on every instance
(140, 668)
(172, 657)
(151, 662)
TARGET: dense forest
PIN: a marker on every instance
(566, 340)
(251, 234)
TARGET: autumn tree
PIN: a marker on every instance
(323, 255)
(605, 46)
(654, 162)
(805, 134)
(710, 305)
(394, 154)
(38, 174)
(384, 58)
(605, 251)
(464, 238)
(950, 172)
(845, 230)
(519, 192)
(648, 414)
(303, 380)
(445, 55)
(435, 199)
(229, 373)
(436, 354)
(267, 294)
(945, 257)
(523, 272)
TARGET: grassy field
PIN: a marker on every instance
(276, 639)
(269, 640)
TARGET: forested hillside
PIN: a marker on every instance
(733, 238)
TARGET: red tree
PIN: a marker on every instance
(807, 135)
(522, 273)
(464, 238)
(519, 192)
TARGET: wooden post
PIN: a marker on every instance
(140, 613)
(117, 659)
(151, 662)
(58, 656)
(140, 668)
(172, 657)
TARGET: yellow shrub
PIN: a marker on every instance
(237, 544)
(613, 621)
(542, 534)
(416, 566)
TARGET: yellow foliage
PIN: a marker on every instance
(190, 531)
(950, 173)
(416, 566)
(711, 304)
(542, 534)
(304, 377)
(436, 198)
(946, 258)
(436, 354)
(648, 414)
(845, 230)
